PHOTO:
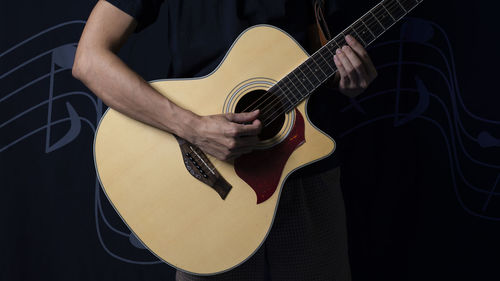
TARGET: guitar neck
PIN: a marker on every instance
(319, 67)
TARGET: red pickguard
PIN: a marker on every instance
(262, 169)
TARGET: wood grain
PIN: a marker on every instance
(181, 220)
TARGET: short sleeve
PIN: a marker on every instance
(145, 12)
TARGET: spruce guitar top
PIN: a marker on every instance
(193, 211)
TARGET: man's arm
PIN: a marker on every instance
(102, 71)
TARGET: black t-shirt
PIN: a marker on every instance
(200, 32)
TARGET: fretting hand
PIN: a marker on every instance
(356, 69)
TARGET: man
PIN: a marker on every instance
(308, 239)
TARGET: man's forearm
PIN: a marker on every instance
(124, 90)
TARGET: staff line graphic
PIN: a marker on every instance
(40, 78)
(451, 96)
(40, 34)
(19, 66)
(60, 96)
(44, 127)
(441, 102)
(61, 56)
(451, 151)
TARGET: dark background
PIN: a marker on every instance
(421, 149)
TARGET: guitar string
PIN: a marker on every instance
(210, 158)
(388, 4)
(280, 113)
(334, 40)
(353, 25)
(321, 63)
(393, 22)
(372, 23)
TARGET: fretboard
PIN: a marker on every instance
(319, 67)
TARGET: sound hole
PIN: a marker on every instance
(269, 105)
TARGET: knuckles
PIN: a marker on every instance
(232, 131)
(231, 144)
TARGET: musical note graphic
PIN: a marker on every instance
(66, 112)
(486, 140)
(419, 32)
(61, 59)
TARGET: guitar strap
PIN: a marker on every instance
(320, 35)
(322, 31)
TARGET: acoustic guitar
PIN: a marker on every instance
(206, 216)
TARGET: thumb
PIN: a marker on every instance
(243, 117)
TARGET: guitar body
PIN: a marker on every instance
(176, 216)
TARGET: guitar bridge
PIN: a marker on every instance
(202, 169)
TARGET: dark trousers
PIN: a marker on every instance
(308, 240)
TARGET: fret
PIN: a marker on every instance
(332, 43)
(287, 97)
(296, 82)
(318, 60)
(394, 9)
(369, 29)
(315, 69)
(283, 82)
(333, 51)
(303, 91)
(303, 81)
(408, 4)
(329, 47)
(350, 30)
(389, 13)
(283, 93)
(384, 17)
(308, 73)
(326, 60)
(319, 67)
(340, 40)
(401, 6)
(298, 94)
(375, 25)
(364, 32)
